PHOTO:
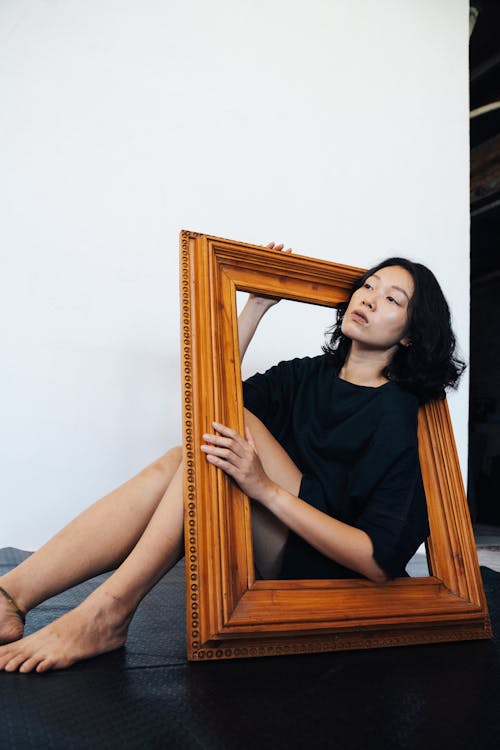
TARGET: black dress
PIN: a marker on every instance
(357, 449)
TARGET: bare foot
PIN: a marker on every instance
(98, 625)
(11, 625)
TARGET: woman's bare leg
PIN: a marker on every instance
(269, 535)
(100, 623)
(98, 540)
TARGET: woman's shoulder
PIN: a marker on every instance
(289, 373)
(399, 410)
(300, 365)
(399, 397)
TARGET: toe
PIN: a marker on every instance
(15, 662)
(44, 666)
(30, 664)
(5, 657)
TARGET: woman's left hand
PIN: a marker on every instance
(229, 451)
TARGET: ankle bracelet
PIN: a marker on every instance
(19, 612)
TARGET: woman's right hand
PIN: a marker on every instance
(259, 300)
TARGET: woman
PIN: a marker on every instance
(391, 348)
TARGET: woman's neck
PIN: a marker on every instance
(365, 368)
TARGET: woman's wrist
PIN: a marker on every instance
(270, 496)
(259, 304)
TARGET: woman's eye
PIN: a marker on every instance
(367, 285)
(393, 299)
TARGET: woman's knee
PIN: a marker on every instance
(269, 537)
(169, 462)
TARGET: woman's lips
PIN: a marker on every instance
(359, 316)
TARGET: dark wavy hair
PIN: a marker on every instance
(429, 365)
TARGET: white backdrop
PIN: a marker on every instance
(339, 128)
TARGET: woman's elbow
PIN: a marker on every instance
(376, 574)
(379, 577)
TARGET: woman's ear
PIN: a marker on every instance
(406, 342)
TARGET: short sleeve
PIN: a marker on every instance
(395, 515)
(270, 395)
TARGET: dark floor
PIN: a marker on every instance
(488, 551)
(148, 696)
(488, 545)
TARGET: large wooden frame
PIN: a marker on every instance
(229, 613)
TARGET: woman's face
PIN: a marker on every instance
(377, 314)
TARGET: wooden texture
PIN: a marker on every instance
(229, 613)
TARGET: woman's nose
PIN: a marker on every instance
(368, 304)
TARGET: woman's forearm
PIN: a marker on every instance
(249, 319)
(347, 545)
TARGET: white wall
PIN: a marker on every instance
(337, 127)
